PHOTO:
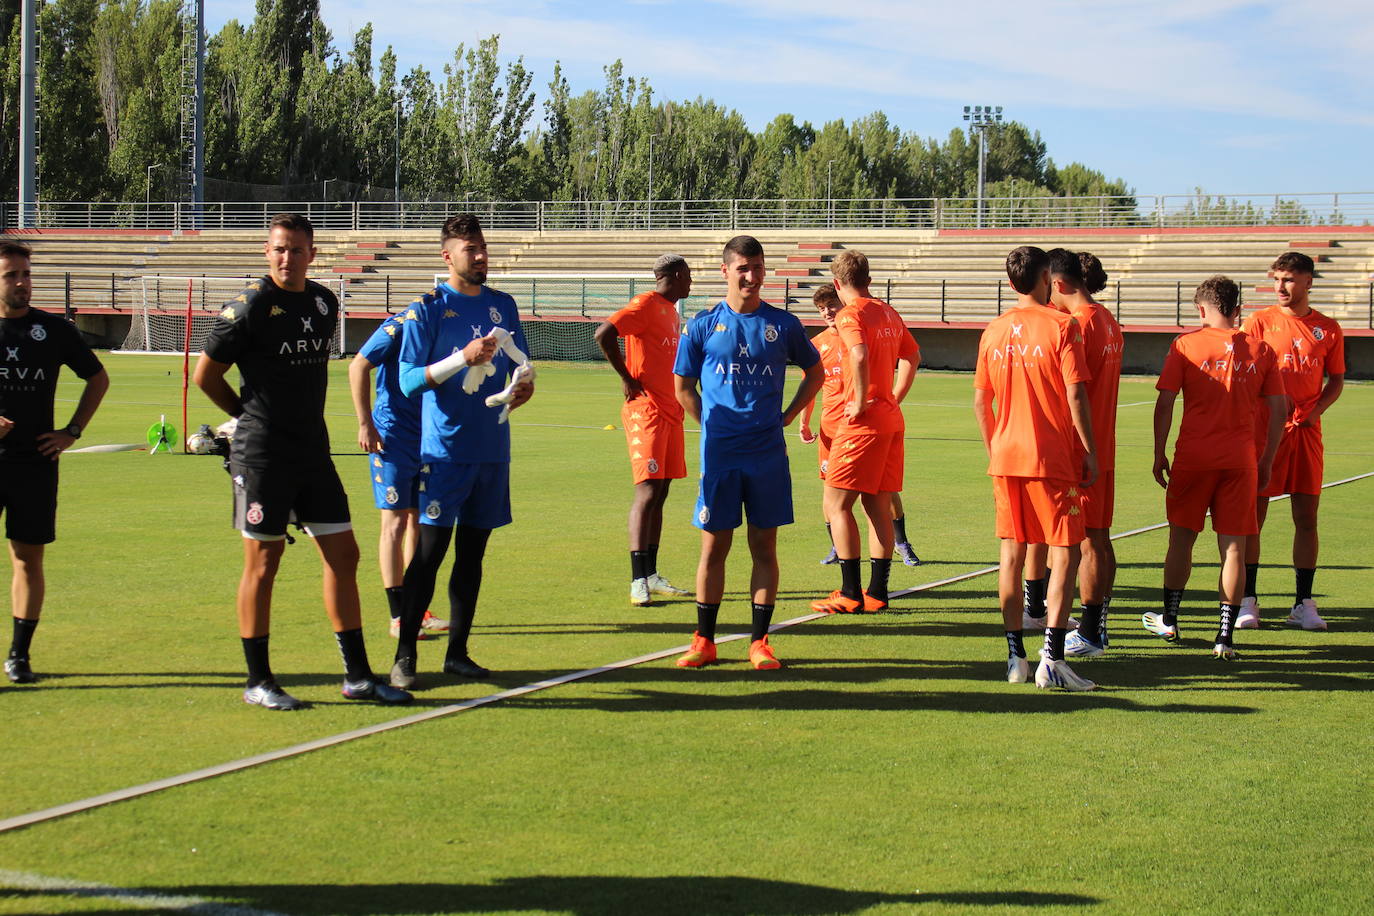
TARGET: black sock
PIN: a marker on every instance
(1173, 600)
(1054, 642)
(354, 652)
(1229, 613)
(762, 617)
(23, 637)
(418, 589)
(1090, 621)
(639, 564)
(706, 619)
(256, 655)
(849, 580)
(651, 566)
(1304, 583)
(464, 584)
(878, 572)
(1014, 644)
(1033, 591)
(1251, 575)
(393, 601)
(899, 529)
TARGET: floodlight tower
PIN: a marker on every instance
(28, 115)
(980, 118)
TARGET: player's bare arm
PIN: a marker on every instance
(1164, 418)
(360, 386)
(59, 440)
(983, 412)
(811, 383)
(1335, 384)
(608, 339)
(6, 424)
(804, 429)
(1272, 436)
(209, 378)
(1080, 409)
(901, 382)
(685, 387)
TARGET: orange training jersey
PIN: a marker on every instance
(1102, 345)
(1223, 374)
(827, 343)
(1307, 348)
(1027, 358)
(650, 328)
(877, 325)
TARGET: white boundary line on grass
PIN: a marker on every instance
(295, 750)
(136, 899)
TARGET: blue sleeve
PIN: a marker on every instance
(800, 350)
(414, 356)
(689, 352)
(383, 345)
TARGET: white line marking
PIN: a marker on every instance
(295, 750)
(1135, 404)
(136, 899)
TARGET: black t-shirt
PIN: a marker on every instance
(280, 342)
(32, 350)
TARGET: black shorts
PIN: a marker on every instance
(28, 499)
(266, 500)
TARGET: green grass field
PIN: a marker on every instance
(886, 768)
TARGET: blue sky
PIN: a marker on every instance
(1234, 97)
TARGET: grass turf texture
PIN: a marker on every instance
(886, 767)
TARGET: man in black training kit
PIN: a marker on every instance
(35, 346)
(278, 331)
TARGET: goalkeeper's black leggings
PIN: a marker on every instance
(463, 585)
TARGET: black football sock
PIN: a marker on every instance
(418, 588)
(23, 637)
(464, 584)
(354, 652)
(1303, 579)
(651, 566)
(1090, 621)
(762, 617)
(1015, 645)
(393, 601)
(639, 564)
(878, 572)
(1173, 601)
(899, 529)
(1033, 591)
(1054, 642)
(706, 619)
(256, 655)
(1229, 613)
(1251, 576)
(849, 580)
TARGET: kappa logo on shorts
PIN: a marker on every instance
(434, 509)
(321, 305)
(392, 497)
(37, 332)
(254, 514)
(376, 461)
(653, 466)
(770, 332)
(704, 515)
(494, 314)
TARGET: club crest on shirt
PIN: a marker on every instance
(321, 305)
(392, 496)
(38, 332)
(254, 514)
(770, 332)
(652, 466)
(434, 509)
(494, 314)
(1318, 333)
(704, 515)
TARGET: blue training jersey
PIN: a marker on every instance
(396, 416)
(455, 426)
(741, 361)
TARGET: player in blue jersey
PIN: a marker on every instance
(737, 352)
(389, 434)
(464, 446)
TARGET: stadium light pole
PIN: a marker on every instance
(397, 176)
(829, 197)
(28, 115)
(651, 180)
(980, 118)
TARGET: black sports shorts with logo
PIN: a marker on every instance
(266, 500)
(28, 499)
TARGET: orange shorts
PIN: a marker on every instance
(866, 462)
(823, 441)
(1099, 500)
(1298, 464)
(1228, 492)
(655, 440)
(1031, 510)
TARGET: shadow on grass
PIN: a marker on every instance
(583, 896)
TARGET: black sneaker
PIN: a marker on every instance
(269, 695)
(18, 671)
(403, 673)
(372, 688)
(465, 667)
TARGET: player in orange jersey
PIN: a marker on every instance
(1224, 375)
(866, 457)
(1310, 346)
(651, 414)
(1031, 401)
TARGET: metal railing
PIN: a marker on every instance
(1142, 212)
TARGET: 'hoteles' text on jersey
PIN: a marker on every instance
(741, 361)
(280, 341)
(456, 426)
(35, 346)
(396, 416)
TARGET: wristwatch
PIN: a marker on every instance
(73, 430)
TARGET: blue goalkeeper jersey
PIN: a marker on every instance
(396, 416)
(455, 426)
(741, 361)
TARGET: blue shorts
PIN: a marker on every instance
(477, 495)
(395, 477)
(763, 488)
